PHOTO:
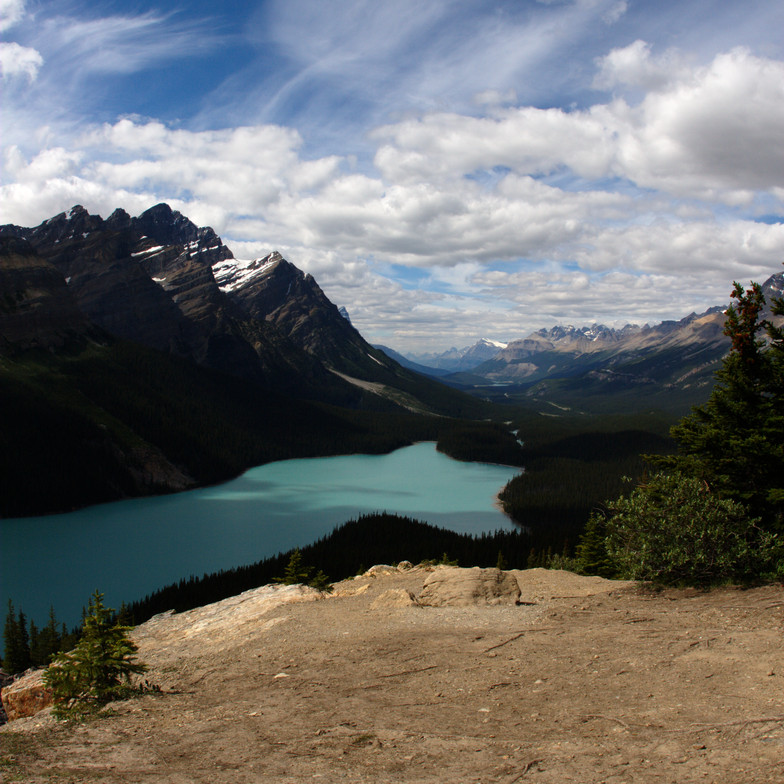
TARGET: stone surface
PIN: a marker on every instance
(380, 569)
(26, 696)
(610, 682)
(394, 597)
(451, 586)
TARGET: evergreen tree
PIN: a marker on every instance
(735, 441)
(591, 556)
(296, 572)
(16, 656)
(321, 582)
(125, 616)
(98, 670)
(48, 642)
(34, 643)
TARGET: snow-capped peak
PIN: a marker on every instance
(493, 343)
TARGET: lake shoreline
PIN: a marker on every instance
(130, 548)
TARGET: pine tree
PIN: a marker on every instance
(98, 670)
(591, 556)
(16, 656)
(48, 642)
(296, 572)
(735, 441)
(34, 643)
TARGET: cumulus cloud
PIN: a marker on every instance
(646, 201)
(633, 66)
(16, 60)
(712, 132)
(718, 130)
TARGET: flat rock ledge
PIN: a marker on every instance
(221, 625)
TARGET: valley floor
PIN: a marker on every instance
(590, 681)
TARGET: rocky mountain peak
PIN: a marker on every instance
(118, 220)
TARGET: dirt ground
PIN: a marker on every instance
(588, 681)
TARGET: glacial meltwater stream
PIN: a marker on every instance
(130, 548)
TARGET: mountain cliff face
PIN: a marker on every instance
(152, 280)
(37, 310)
(161, 281)
(149, 279)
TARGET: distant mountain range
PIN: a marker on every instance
(456, 360)
(676, 359)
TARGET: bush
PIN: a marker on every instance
(98, 670)
(674, 530)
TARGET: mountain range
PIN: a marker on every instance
(138, 355)
(456, 360)
(673, 362)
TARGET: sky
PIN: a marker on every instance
(447, 170)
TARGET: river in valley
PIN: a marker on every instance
(128, 549)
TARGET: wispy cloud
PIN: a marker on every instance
(70, 56)
(11, 13)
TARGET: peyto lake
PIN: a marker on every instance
(128, 549)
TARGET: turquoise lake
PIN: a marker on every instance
(128, 549)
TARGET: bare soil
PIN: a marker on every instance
(589, 681)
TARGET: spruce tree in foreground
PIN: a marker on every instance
(98, 670)
(735, 441)
(716, 513)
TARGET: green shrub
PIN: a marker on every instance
(674, 530)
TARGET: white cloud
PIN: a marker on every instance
(16, 60)
(615, 12)
(633, 66)
(712, 132)
(122, 43)
(11, 13)
(718, 131)
(640, 205)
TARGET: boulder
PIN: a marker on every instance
(380, 569)
(26, 696)
(451, 586)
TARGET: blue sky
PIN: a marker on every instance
(447, 170)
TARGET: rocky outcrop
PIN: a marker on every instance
(26, 696)
(451, 586)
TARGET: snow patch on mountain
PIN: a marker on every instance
(232, 274)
